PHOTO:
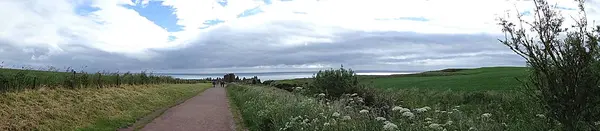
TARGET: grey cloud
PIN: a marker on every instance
(226, 47)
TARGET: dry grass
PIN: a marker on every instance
(88, 109)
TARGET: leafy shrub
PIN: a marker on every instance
(334, 83)
(564, 72)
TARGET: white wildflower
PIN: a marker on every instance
(540, 115)
(450, 112)
(363, 111)
(597, 123)
(420, 110)
(449, 122)
(486, 115)
(321, 94)
(456, 106)
(305, 121)
(346, 118)
(355, 94)
(326, 124)
(396, 108)
(437, 111)
(400, 109)
(427, 108)
(408, 114)
(472, 128)
(389, 126)
(335, 114)
(454, 109)
(428, 119)
(443, 111)
(435, 126)
(380, 119)
(298, 88)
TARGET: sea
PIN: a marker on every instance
(275, 75)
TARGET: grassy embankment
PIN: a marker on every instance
(17, 79)
(88, 108)
(474, 99)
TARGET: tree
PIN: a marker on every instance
(229, 77)
(564, 64)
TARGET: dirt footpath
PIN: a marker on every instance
(206, 112)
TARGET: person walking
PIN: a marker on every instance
(214, 83)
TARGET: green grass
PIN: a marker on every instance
(16, 79)
(269, 109)
(88, 108)
(488, 78)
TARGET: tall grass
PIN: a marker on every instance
(268, 108)
(87, 109)
(14, 79)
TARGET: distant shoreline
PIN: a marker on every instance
(277, 75)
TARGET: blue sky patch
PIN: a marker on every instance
(250, 12)
(161, 15)
(268, 2)
(222, 3)
(526, 13)
(212, 22)
(85, 8)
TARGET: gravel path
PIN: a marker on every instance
(206, 112)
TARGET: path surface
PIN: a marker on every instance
(206, 112)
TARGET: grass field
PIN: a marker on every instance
(488, 78)
(87, 108)
(453, 99)
(485, 78)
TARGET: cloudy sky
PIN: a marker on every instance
(258, 35)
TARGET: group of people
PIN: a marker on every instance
(222, 83)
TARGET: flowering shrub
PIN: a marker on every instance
(269, 109)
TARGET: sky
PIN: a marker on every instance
(260, 35)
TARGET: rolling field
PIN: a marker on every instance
(487, 78)
(484, 99)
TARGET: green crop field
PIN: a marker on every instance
(485, 78)
(488, 78)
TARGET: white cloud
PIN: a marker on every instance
(56, 24)
(284, 25)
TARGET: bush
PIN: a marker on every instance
(285, 86)
(564, 72)
(334, 83)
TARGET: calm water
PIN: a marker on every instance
(273, 75)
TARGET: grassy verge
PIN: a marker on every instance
(87, 108)
(268, 108)
(237, 116)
